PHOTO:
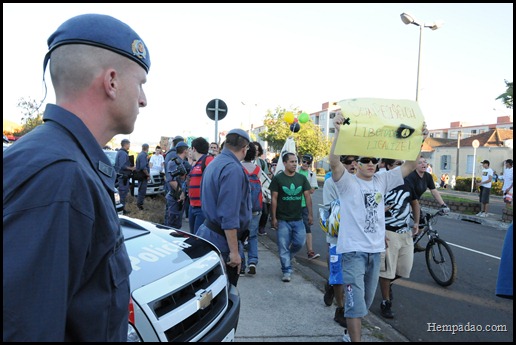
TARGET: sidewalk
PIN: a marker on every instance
(274, 311)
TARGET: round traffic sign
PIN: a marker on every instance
(475, 144)
(216, 109)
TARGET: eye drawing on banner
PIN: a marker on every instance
(376, 127)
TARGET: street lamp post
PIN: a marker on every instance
(408, 19)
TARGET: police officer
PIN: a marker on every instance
(124, 170)
(226, 201)
(175, 181)
(65, 265)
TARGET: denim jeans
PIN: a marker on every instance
(360, 272)
(195, 218)
(291, 238)
(252, 242)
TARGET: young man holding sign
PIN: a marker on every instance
(362, 238)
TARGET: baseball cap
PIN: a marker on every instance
(101, 31)
(240, 132)
(485, 161)
(181, 144)
(508, 161)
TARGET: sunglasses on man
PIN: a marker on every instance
(367, 160)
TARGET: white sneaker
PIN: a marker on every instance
(286, 277)
(346, 338)
(479, 214)
(483, 215)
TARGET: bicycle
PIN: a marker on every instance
(440, 260)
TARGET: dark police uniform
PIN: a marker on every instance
(60, 224)
(121, 166)
(225, 201)
(65, 265)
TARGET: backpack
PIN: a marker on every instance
(329, 219)
(256, 189)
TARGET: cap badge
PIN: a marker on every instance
(139, 49)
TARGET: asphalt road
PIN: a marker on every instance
(421, 306)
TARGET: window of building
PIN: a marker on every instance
(446, 162)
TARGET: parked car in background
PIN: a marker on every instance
(155, 186)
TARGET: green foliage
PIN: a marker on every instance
(31, 118)
(506, 97)
(309, 139)
(464, 184)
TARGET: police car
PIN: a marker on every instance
(155, 186)
(179, 286)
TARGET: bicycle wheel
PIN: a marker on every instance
(441, 262)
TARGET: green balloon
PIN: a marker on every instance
(303, 118)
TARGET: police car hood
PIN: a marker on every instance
(156, 250)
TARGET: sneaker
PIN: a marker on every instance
(346, 338)
(418, 248)
(262, 232)
(252, 269)
(385, 309)
(242, 271)
(312, 255)
(484, 215)
(286, 277)
(339, 317)
(479, 214)
(328, 294)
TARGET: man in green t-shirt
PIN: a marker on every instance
(287, 189)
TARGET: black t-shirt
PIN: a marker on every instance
(420, 184)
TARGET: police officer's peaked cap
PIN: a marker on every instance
(101, 31)
(178, 137)
(181, 144)
(240, 132)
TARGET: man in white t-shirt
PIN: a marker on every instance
(485, 188)
(507, 182)
(157, 162)
(361, 238)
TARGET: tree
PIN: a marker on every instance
(309, 139)
(506, 97)
(31, 118)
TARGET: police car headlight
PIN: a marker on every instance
(132, 335)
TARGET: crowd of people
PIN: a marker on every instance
(378, 213)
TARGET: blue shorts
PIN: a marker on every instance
(360, 273)
(335, 266)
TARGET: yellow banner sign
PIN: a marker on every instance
(383, 128)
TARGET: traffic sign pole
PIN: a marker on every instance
(216, 110)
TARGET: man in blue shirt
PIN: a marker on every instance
(124, 170)
(226, 200)
(142, 174)
(65, 264)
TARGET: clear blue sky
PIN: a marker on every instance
(268, 55)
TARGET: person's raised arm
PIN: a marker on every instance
(336, 166)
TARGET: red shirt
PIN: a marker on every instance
(194, 189)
